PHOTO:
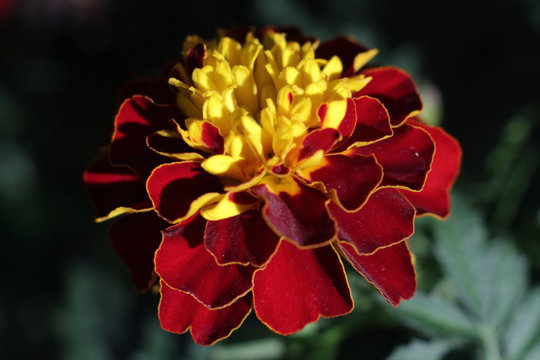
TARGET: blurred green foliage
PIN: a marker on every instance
(62, 65)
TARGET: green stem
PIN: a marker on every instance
(489, 340)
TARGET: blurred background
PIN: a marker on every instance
(62, 65)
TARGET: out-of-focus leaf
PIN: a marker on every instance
(433, 314)
(266, 349)
(459, 246)
(524, 327)
(157, 344)
(423, 350)
(533, 353)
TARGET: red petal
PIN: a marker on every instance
(434, 197)
(405, 157)
(173, 187)
(135, 238)
(179, 312)
(195, 57)
(185, 264)
(373, 121)
(395, 89)
(298, 213)
(211, 138)
(346, 125)
(167, 145)
(389, 269)
(348, 178)
(242, 239)
(320, 139)
(345, 48)
(138, 118)
(299, 286)
(387, 218)
(112, 187)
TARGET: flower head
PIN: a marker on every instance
(265, 158)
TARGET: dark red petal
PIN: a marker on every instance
(405, 157)
(349, 178)
(298, 286)
(346, 124)
(346, 48)
(158, 90)
(195, 57)
(298, 214)
(243, 239)
(386, 218)
(135, 238)
(138, 118)
(173, 187)
(211, 138)
(111, 187)
(168, 144)
(434, 197)
(185, 264)
(389, 269)
(395, 89)
(319, 139)
(373, 121)
(179, 312)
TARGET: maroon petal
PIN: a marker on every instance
(405, 157)
(185, 264)
(174, 187)
(195, 57)
(135, 238)
(114, 187)
(319, 139)
(242, 239)
(299, 286)
(389, 269)
(434, 197)
(138, 118)
(295, 211)
(373, 121)
(387, 218)
(395, 89)
(348, 178)
(346, 48)
(179, 312)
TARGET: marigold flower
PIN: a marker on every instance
(263, 159)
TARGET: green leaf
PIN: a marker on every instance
(524, 327)
(250, 350)
(433, 314)
(534, 353)
(459, 244)
(423, 350)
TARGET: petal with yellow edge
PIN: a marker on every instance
(114, 189)
(390, 270)
(346, 48)
(405, 157)
(372, 122)
(168, 143)
(316, 140)
(339, 115)
(295, 211)
(396, 90)
(138, 118)
(434, 197)
(135, 238)
(184, 263)
(386, 219)
(179, 190)
(179, 312)
(242, 239)
(348, 178)
(231, 204)
(297, 287)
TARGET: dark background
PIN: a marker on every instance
(63, 63)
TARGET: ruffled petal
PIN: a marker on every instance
(434, 197)
(295, 211)
(242, 239)
(114, 189)
(138, 118)
(299, 286)
(179, 312)
(348, 178)
(135, 238)
(386, 219)
(390, 270)
(178, 190)
(372, 121)
(317, 140)
(339, 115)
(185, 264)
(396, 90)
(405, 157)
